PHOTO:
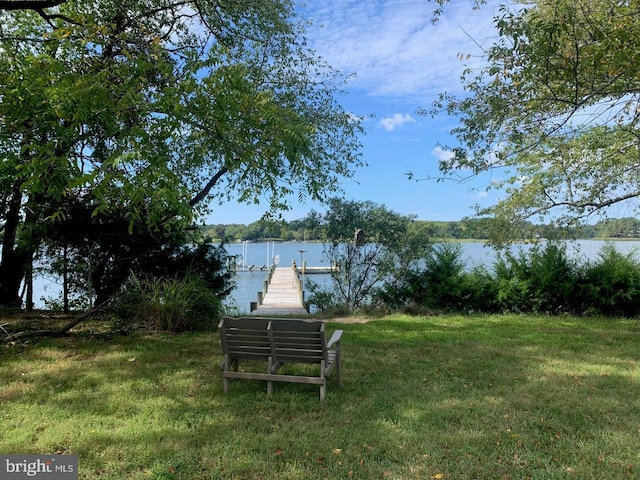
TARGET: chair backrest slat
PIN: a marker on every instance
(302, 341)
(292, 341)
(244, 338)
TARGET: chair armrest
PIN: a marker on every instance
(335, 338)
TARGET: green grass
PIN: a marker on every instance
(505, 397)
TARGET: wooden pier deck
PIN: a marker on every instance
(283, 295)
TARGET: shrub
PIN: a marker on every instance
(554, 277)
(611, 286)
(544, 280)
(440, 284)
(442, 276)
(479, 291)
(324, 299)
(168, 304)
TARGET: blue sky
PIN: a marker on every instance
(400, 62)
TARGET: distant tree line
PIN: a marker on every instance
(314, 226)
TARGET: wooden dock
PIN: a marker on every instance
(283, 295)
(324, 269)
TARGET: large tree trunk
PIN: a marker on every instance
(19, 244)
(13, 263)
(12, 269)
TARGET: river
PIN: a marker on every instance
(260, 255)
(253, 258)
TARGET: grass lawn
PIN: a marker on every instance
(452, 397)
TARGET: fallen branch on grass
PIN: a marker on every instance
(12, 337)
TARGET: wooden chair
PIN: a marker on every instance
(304, 341)
(279, 341)
(243, 339)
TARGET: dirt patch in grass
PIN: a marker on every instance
(14, 321)
(352, 320)
(38, 319)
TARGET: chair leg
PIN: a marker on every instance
(323, 385)
(338, 369)
(225, 368)
(269, 382)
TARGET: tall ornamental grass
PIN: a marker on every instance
(174, 304)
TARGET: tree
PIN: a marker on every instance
(553, 112)
(392, 246)
(311, 226)
(149, 111)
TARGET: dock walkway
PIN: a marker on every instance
(283, 295)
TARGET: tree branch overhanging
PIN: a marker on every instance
(592, 206)
(207, 188)
(74, 322)
(36, 5)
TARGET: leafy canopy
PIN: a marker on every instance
(152, 104)
(392, 245)
(148, 111)
(553, 113)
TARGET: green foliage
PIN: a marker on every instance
(167, 304)
(541, 280)
(611, 285)
(479, 291)
(443, 283)
(359, 270)
(66, 303)
(325, 299)
(402, 270)
(441, 276)
(312, 228)
(437, 284)
(391, 248)
(553, 109)
(97, 254)
(146, 116)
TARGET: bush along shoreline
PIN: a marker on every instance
(544, 280)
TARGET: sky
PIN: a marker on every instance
(400, 62)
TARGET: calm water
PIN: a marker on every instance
(258, 254)
(261, 255)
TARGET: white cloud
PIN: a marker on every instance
(442, 154)
(392, 45)
(480, 195)
(395, 121)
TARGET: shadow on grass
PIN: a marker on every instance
(503, 397)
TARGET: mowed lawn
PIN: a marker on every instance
(450, 397)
